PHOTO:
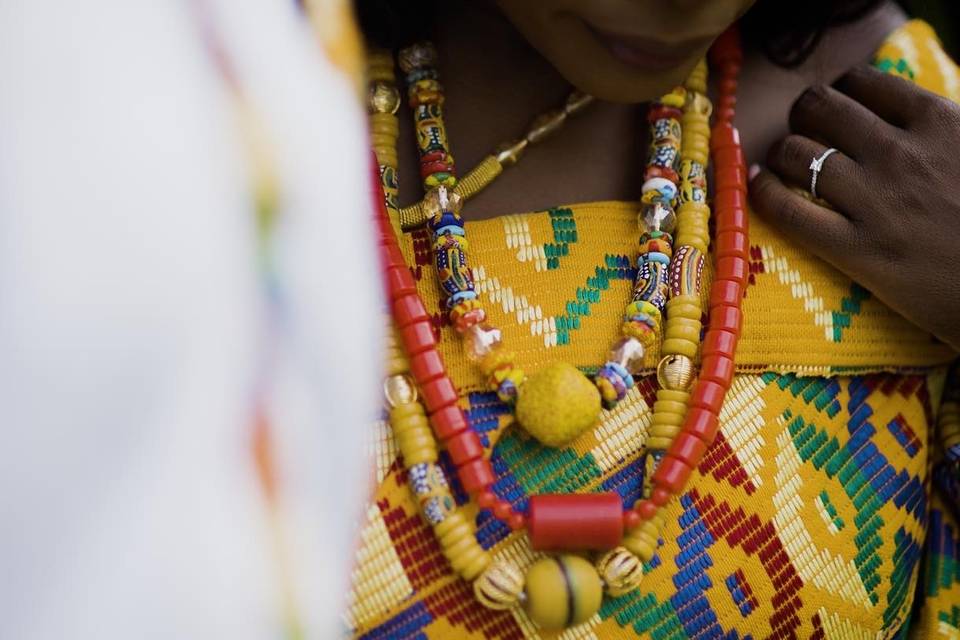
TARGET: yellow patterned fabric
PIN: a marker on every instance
(807, 518)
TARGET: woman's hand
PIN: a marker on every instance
(894, 185)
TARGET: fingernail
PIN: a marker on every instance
(754, 170)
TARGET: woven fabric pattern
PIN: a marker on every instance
(808, 517)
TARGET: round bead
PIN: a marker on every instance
(657, 216)
(399, 390)
(502, 510)
(557, 404)
(516, 522)
(500, 586)
(628, 352)
(562, 591)
(486, 499)
(417, 56)
(481, 340)
(630, 519)
(620, 570)
(676, 372)
(383, 98)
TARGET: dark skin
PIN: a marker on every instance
(598, 156)
(894, 224)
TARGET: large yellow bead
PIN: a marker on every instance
(557, 404)
(562, 591)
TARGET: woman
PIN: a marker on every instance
(808, 515)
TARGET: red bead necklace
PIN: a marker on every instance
(598, 520)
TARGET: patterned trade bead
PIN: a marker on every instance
(481, 340)
(658, 190)
(693, 184)
(620, 570)
(433, 494)
(656, 242)
(557, 404)
(466, 314)
(657, 216)
(398, 390)
(686, 271)
(562, 591)
(652, 284)
(500, 586)
(676, 373)
(613, 381)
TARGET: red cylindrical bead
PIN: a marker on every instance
(439, 393)
(409, 309)
(418, 337)
(427, 366)
(725, 292)
(733, 177)
(392, 255)
(731, 243)
(726, 317)
(688, 447)
(476, 476)
(701, 423)
(464, 447)
(448, 422)
(728, 156)
(733, 268)
(708, 395)
(671, 474)
(400, 282)
(719, 341)
(717, 368)
(559, 522)
(724, 135)
(727, 201)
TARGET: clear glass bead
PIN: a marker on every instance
(658, 216)
(481, 340)
(628, 353)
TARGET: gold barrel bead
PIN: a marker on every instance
(500, 586)
(545, 124)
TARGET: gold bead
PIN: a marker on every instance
(545, 124)
(620, 570)
(577, 102)
(508, 153)
(562, 591)
(417, 56)
(383, 98)
(675, 372)
(399, 390)
(500, 586)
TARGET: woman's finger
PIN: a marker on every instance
(837, 120)
(839, 180)
(896, 100)
(821, 231)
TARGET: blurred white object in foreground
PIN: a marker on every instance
(129, 505)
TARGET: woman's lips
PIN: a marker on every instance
(644, 53)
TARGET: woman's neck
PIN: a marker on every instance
(495, 84)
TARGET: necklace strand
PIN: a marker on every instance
(500, 585)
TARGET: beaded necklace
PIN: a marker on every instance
(567, 590)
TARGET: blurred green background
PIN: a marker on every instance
(944, 15)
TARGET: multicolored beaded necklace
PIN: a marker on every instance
(559, 403)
